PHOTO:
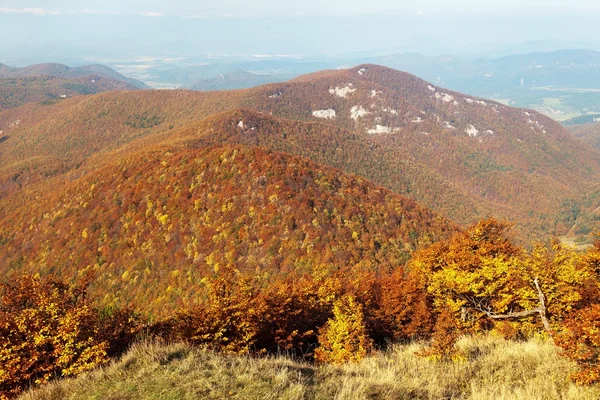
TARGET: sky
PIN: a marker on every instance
(245, 8)
(63, 30)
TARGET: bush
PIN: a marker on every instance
(227, 320)
(48, 328)
(444, 338)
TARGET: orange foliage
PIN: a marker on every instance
(293, 311)
(445, 334)
(228, 319)
(580, 339)
(150, 226)
(405, 310)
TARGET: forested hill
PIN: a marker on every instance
(49, 90)
(152, 226)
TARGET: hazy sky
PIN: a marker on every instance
(59, 30)
(241, 8)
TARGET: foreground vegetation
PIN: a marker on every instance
(477, 283)
(495, 369)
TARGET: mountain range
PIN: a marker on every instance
(462, 156)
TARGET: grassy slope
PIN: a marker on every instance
(496, 370)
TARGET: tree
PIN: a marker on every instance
(404, 310)
(481, 277)
(579, 338)
(344, 337)
(228, 319)
(579, 335)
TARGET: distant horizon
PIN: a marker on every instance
(40, 34)
(258, 58)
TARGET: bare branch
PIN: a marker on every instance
(479, 305)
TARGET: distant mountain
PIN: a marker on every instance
(153, 225)
(586, 119)
(560, 84)
(15, 92)
(63, 71)
(459, 155)
(238, 79)
(237, 75)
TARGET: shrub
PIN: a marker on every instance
(227, 320)
(445, 334)
(405, 309)
(580, 340)
(47, 329)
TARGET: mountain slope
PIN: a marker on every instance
(238, 79)
(153, 225)
(560, 84)
(588, 133)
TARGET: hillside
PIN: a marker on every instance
(218, 73)
(153, 225)
(340, 148)
(15, 92)
(462, 156)
(63, 71)
(588, 133)
(496, 369)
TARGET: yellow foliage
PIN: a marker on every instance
(45, 330)
(344, 337)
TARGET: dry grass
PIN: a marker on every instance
(496, 369)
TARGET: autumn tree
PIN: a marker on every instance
(293, 310)
(227, 319)
(579, 335)
(404, 310)
(47, 329)
(482, 277)
(344, 337)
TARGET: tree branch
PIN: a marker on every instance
(520, 314)
(541, 310)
